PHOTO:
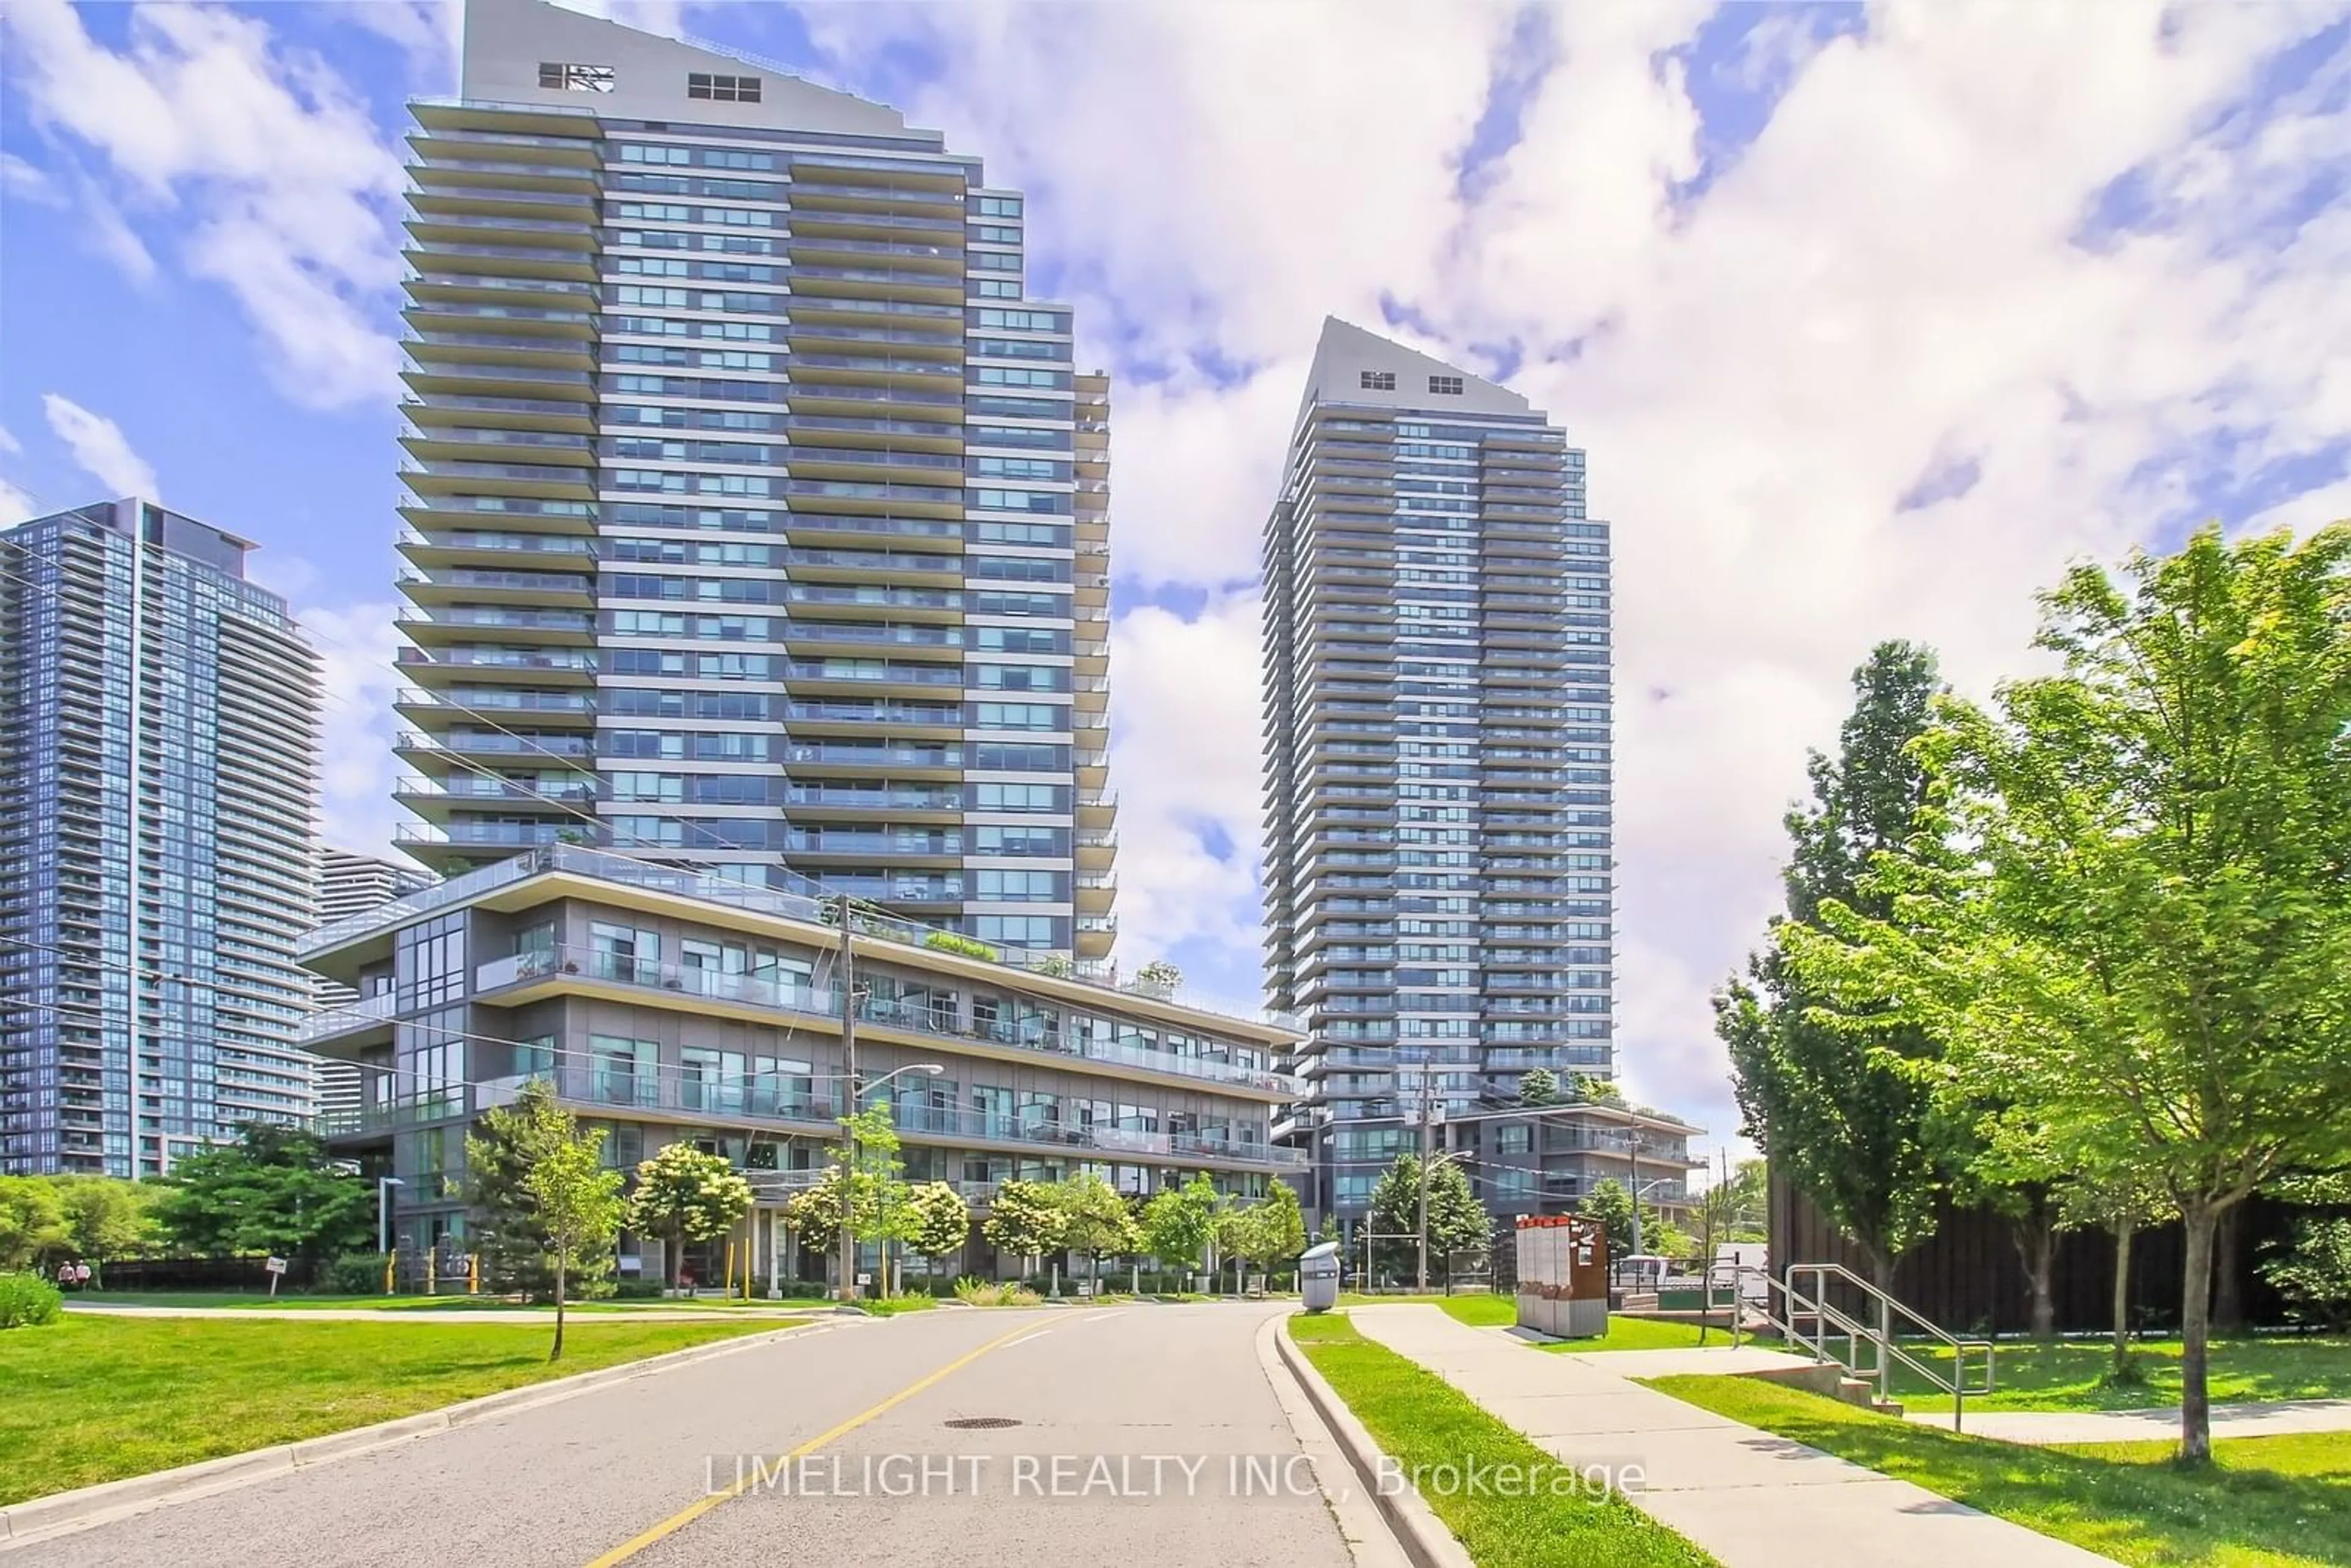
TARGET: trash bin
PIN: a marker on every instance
(1318, 1276)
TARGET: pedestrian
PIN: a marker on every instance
(82, 1275)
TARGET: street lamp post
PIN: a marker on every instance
(383, 1186)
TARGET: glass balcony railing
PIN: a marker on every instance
(805, 902)
(1043, 1035)
(364, 1013)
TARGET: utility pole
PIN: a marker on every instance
(849, 1107)
(1426, 1085)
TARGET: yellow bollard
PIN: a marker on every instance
(730, 1267)
(473, 1273)
(431, 1256)
(387, 1273)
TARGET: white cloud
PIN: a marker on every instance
(8, 442)
(1888, 275)
(15, 505)
(264, 161)
(97, 444)
(23, 182)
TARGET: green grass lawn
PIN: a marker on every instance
(1644, 1334)
(2066, 1376)
(1421, 1421)
(94, 1399)
(2271, 1502)
(248, 1301)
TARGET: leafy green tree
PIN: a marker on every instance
(816, 1211)
(2313, 1273)
(1023, 1221)
(108, 1218)
(1273, 1229)
(1841, 1112)
(1540, 1086)
(1179, 1222)
(881, 1206)
(2121, 1199)
(576, 1202)
(33, 1223)
(1095, 1220)
(1157, 978)
(942, 1221)
(1595, 1091)
(2151, 929)
(1746, 1218)
(1611, 1203)
(1458, 1222)
(504, 1233)
(685, 1194)
(274, 1191)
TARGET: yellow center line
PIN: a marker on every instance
(687, 1515)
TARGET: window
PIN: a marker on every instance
(1517, 1139)
(1379, 380)
(575, 78)
(722, 89)
(1450, 386)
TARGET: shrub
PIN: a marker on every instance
(26, 1299)
(977, 1292)
(967, 946)
(356, 1274)
(897, 1304)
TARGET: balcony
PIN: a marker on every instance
(1036, 1035)
(326, 1023)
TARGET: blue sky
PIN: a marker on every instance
(1870, 319)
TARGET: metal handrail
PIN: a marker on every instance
(1831, 1322)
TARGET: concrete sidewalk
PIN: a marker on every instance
(2040, 1428)
(1752, 1500)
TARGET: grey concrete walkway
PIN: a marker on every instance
(1752, 1500)
(2042, 1427)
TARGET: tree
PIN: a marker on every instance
(107, 1219)
(1595, 1091)
(2314, 1273)
(1540, 1086)
(2121, 1200)
(1458, 1222)
(505, 1224)
(1179, 1222)
(276, 1191)
(1157, 978)
(816, 1211)
(1023, 1221)
(576, 1202)
(1272, 1229)
(33, 1224)
(880, 1204)
(2151, 929)
(942, 1220)
(1839, 1112)
(685, 1194)
(1750, 1197)
(1095, 1220)
(1611, 1203)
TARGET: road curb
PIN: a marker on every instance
(1423, 1535)
(40, 1519)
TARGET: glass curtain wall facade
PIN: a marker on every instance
(1436, 759)
(757, 520)
(159, 760)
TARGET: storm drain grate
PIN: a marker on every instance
(982, 1423)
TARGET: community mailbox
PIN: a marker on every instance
(1318, 1276)
(1564, 1275)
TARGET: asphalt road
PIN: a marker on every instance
(1145, 1437)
